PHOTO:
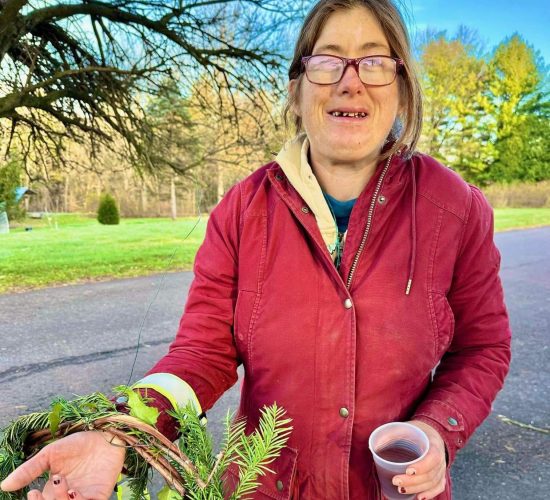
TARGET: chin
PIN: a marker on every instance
(347, 152)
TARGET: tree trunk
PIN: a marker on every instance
(159, 208)
(194, 210)
(66, 204)
(173, 207)
(220, 184)
(143, 199)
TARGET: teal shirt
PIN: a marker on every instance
(341, 210)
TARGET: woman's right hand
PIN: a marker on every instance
(82, 465)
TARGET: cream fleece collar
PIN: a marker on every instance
(293, 159)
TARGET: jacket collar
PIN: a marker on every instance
(293, 159)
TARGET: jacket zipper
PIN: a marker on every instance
(369, 222)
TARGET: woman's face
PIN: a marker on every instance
(341, 140)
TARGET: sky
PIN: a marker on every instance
(494, 20)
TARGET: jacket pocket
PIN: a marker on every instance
(242, 322)
(280, 485)
(443, 321)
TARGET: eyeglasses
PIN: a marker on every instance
(375, 71)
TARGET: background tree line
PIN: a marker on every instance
(167, 104)
(486, 116)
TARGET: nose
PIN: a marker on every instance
(350, 82)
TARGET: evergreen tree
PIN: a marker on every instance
(456, 128)
(107, 213)
(521, 111)
(10, 178)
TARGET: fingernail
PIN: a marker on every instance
(411, 472)
(397, 482)
(56, 480)
(72, 494)
(402, 490)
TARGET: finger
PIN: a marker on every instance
(27, 472)
(422, 480)
(433, 459)
(34, 495)
(432, 493)
(416, 481)
(422, 471)
(57, 488)
(422, 488)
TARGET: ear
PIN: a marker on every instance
(294, 93)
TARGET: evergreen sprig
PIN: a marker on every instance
(191, 469)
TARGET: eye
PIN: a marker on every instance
(373, 61)
(325, 63)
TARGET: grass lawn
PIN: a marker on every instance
(80, 248)
(519, 218)
(71, 248)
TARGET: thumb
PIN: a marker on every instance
(27, 472)
(75, 495)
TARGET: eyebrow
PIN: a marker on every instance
(365, 46)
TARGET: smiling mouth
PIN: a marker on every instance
(348, 115)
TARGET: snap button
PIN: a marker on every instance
(344, 412)
(452, 421)
(279, 177)
(280, 485)
(348, 304)
(305, 210)
(381, 199)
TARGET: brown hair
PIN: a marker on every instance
(406, 131)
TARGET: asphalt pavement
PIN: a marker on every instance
(81, 338)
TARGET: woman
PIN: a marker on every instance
(339, 317)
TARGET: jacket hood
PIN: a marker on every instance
(293, 159)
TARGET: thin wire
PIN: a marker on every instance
(163, 278)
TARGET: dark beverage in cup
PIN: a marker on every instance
(399, 451)
(394, 447)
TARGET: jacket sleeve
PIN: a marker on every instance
(473, 369)
(203, 354)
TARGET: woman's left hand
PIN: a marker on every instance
(426, 478)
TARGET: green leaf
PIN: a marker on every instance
(168, 494)
(139, 409)
(54, 417)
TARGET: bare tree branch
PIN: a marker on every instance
(82, 70)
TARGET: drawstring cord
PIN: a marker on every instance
(413, 232)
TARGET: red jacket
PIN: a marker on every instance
(343, 358)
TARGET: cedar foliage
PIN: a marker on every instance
(107, 213)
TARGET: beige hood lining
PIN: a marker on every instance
(293, 159)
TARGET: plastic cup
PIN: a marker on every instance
(396, 446)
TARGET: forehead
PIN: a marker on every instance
(351, 30)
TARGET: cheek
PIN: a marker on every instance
(312, 100)
(389, 105)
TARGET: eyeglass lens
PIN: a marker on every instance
(372, 70)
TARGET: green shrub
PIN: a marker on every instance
(107, 213)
